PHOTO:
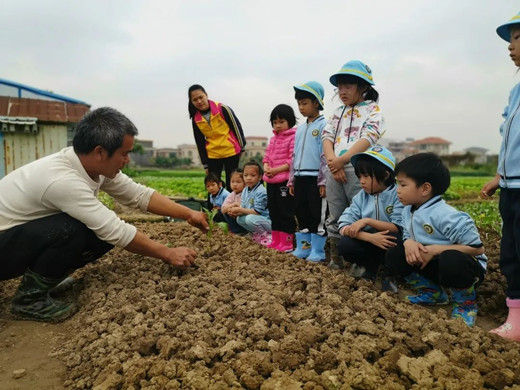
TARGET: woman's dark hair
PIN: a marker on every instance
(254, 163)
(283, 111)
(367, 165)
(299, 95)
(369, 94)
(426, 168)
(191, 108)
(212, 178)
(105, 127)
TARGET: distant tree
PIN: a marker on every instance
(138, 148)
(164, 162)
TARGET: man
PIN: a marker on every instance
(52, 223)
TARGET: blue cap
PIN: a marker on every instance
(380, 153)
(314, 88)
(354, 68)
(503, 31)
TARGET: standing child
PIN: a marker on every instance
(277, 160)
(442, 246)
(252, 214)
(216, 194)
(233, 200)
(353, 128)
(508, 178)
(372, 222)
(307, 181)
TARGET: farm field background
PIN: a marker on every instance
(462, 194)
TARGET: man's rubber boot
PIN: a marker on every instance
(32, 300)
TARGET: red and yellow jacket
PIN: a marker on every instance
(222, 137)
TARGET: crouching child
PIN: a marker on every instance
(441, 246)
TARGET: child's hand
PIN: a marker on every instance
(413, 251)
(344, 231)
(357, 226)
(291, 190)
(323, 191)
(383, 240)
(489, 189)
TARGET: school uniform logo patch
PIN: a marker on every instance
(377, 149)
(315, 132)
(428, 228)
(251, 202)
(389, 209)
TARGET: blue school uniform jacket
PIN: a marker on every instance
(255, 198)
(383, 207)
(308, 151)
(509, 156)
(217, 200)
(437, 223)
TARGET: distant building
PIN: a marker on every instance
(167, 152)
(479, 153)
(190, 151)
(436, 145)
(255, 147)
(146, 156)
(34, 123)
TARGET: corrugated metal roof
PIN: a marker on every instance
(44, 110)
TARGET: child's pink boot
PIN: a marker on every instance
(275, 235)
(511, 328)
(285, 242)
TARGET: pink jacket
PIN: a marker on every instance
(279, 152)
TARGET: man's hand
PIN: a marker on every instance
(181, 257)
(199, 220)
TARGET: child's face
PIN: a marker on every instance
(350, 94)
(514, 46)
(251, 175)
(408, 192)
(370, 185)
(237, 183)
(280, 125)
(308, 108)
(213, 187)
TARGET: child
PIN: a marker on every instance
(353, 128)
(233, 200)
(307, 181)
(216, 194)
(277, 160)
(508, 178)
(442, 246)
(372, 222)
(252, 214)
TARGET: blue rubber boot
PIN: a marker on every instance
(303, 245)
(317, 248)
(465, 304)
(428, 293)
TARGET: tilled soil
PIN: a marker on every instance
(249, 317)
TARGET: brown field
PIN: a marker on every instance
(251, 318)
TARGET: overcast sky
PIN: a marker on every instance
(439, 66)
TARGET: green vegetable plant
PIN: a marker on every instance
(214, 225)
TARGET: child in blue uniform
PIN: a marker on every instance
(508, 178)
(306, 178)
(217, 194)
(372, 222)
(441, 245)
(253, 214)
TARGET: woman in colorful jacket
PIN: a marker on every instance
(217, 131)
